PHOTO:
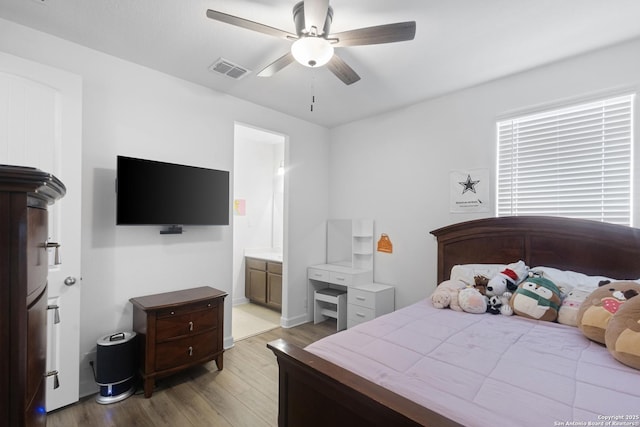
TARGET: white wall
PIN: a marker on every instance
(395, 167)
(132, 110)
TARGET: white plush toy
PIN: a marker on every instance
(472, 301)
(446, 294)
(508, 279)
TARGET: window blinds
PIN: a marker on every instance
(573, 162)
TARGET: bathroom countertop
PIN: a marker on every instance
(264, 254)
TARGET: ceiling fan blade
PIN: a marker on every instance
(249, 25)
(315, 15)
(277, 65)
(380, 34)
(342, 71)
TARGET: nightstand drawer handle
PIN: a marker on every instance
(361, 298)
(191, 326)
(360, 314)
(190, 351)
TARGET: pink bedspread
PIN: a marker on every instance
(490, 370)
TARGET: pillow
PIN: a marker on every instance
(536, 298)
(601, 305)
(468, 272)
(567, 279)
(622, 336)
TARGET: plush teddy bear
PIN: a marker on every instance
(508, 279)
(622, 336)
(500, 304)
(601, 304)
(480, 283)
(446, 294)
(536, 298)
(472, 301)
(568, 313)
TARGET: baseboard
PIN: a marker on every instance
(294, 321)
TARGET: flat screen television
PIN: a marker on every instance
(157, 193)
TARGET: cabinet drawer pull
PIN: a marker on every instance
(190, 351)
(56, 312)
(359, 314)
(340, 278)
(191, 326)
(55, 245)
(361, 298)
(56, 381)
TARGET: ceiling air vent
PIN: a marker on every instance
(228, 68)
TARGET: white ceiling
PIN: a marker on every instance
(458, 43)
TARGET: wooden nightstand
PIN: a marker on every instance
(178, 330)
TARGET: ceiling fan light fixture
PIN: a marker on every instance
(312, 51)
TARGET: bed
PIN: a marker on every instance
(353, 378)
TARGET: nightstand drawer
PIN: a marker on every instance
(362, 298)
(188, 308)
(185, 324)
(316, 274)
(184, 351)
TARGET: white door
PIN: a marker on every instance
(41, 126)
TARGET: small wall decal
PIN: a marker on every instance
(239, 207)
(469, 191)
(384, 244)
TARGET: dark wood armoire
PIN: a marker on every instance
(25, 194)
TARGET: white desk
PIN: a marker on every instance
(366, 300)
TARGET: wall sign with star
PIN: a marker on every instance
(469, 191)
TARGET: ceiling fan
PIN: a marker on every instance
(313, 44)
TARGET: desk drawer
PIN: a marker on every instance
(362, 298)
(316, 274)
(358, 314)
(340, 278)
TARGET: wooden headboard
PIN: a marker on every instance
(590, 247)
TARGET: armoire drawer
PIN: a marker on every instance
(37, 255)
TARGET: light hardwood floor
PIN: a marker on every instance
(244, 393)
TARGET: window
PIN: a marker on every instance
(574, 162)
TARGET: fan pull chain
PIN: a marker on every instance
(313, 96)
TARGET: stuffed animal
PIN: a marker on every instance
(601, 304)
(481, 283)
(568, 313)
(500, 304)
(446, 294)
(622, 336)
(536, 298)
(472, 301)
(508, 279)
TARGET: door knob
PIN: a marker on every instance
(70, 281)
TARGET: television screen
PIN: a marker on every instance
(158, 193)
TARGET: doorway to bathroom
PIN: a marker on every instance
(258, 230)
